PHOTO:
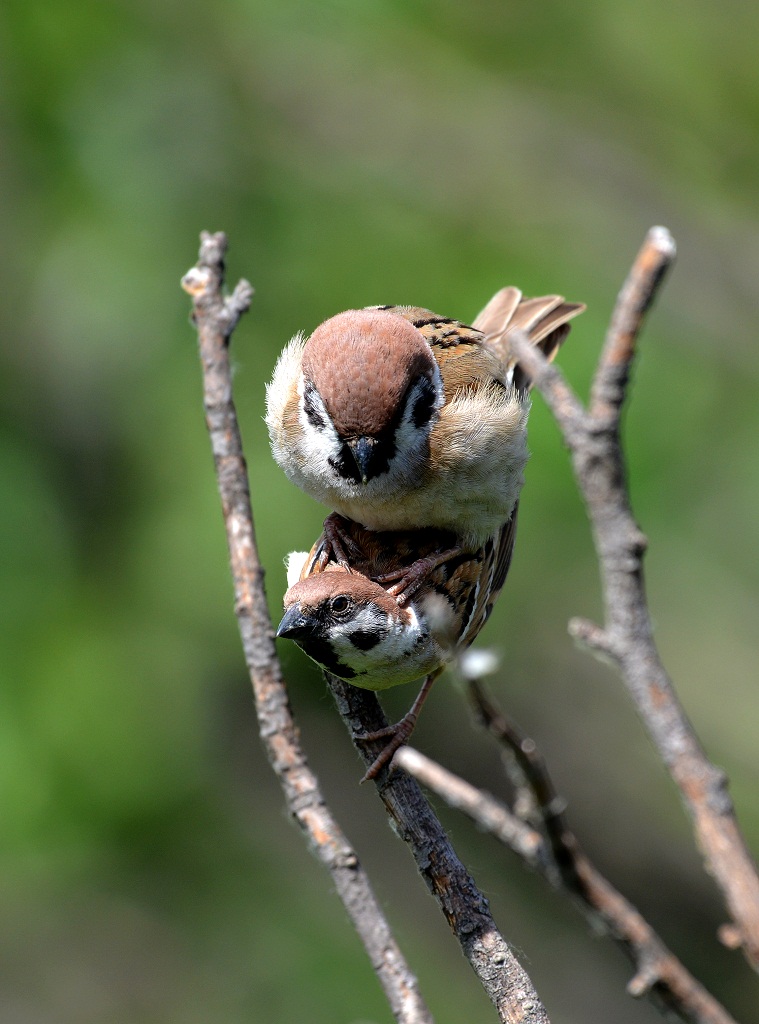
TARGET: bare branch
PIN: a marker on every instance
(658, 973)
(215, 317)
(464, 906)
(635, 298)
(627, 635)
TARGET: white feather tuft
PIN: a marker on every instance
(294, 563)
(478, 663)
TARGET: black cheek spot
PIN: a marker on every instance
(421, 413)
(364, 639)
(321, 652)
(345, 465)
(313, 415)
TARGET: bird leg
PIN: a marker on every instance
(398, 733)
(411, 577)
(337, 539)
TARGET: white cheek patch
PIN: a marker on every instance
(384, 649)
(367, 619)
(367, 622)
(396, 640)
(318, 444)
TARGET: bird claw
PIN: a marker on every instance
(398, 733)
(336, 540)
(407, 581)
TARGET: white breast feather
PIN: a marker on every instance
(480, 423)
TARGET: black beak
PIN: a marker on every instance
(362, 450)
(296, 625)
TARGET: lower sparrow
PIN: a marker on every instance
(352, 626)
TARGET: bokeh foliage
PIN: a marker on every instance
(422, 152)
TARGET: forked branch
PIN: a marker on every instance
(555, 853)
(539, 833)
(594, 440)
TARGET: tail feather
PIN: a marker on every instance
(544, 320)
(498, 312)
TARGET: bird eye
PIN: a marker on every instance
(340, 605)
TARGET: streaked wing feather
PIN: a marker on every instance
(505, 549)
(481, 579)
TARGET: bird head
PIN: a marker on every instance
(372, 388)
(353, 628)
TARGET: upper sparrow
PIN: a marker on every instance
(354, 628)
(398, 418)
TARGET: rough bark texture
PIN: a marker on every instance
(540, 835)
(465, 908)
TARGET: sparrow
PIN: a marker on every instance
(399, 419)
(353, 627)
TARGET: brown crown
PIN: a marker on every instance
(311, 592)
(362, 363)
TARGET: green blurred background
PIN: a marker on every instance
(355, 153)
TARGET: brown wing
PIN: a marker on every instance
(465, 359)
(504, 546)
(441, 331)
(495, 557)
(458, 347)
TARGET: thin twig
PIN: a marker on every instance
(610, 384)
(546, 809)
(658, 973)
(215, 317)
(503, 978)
(594, 440)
